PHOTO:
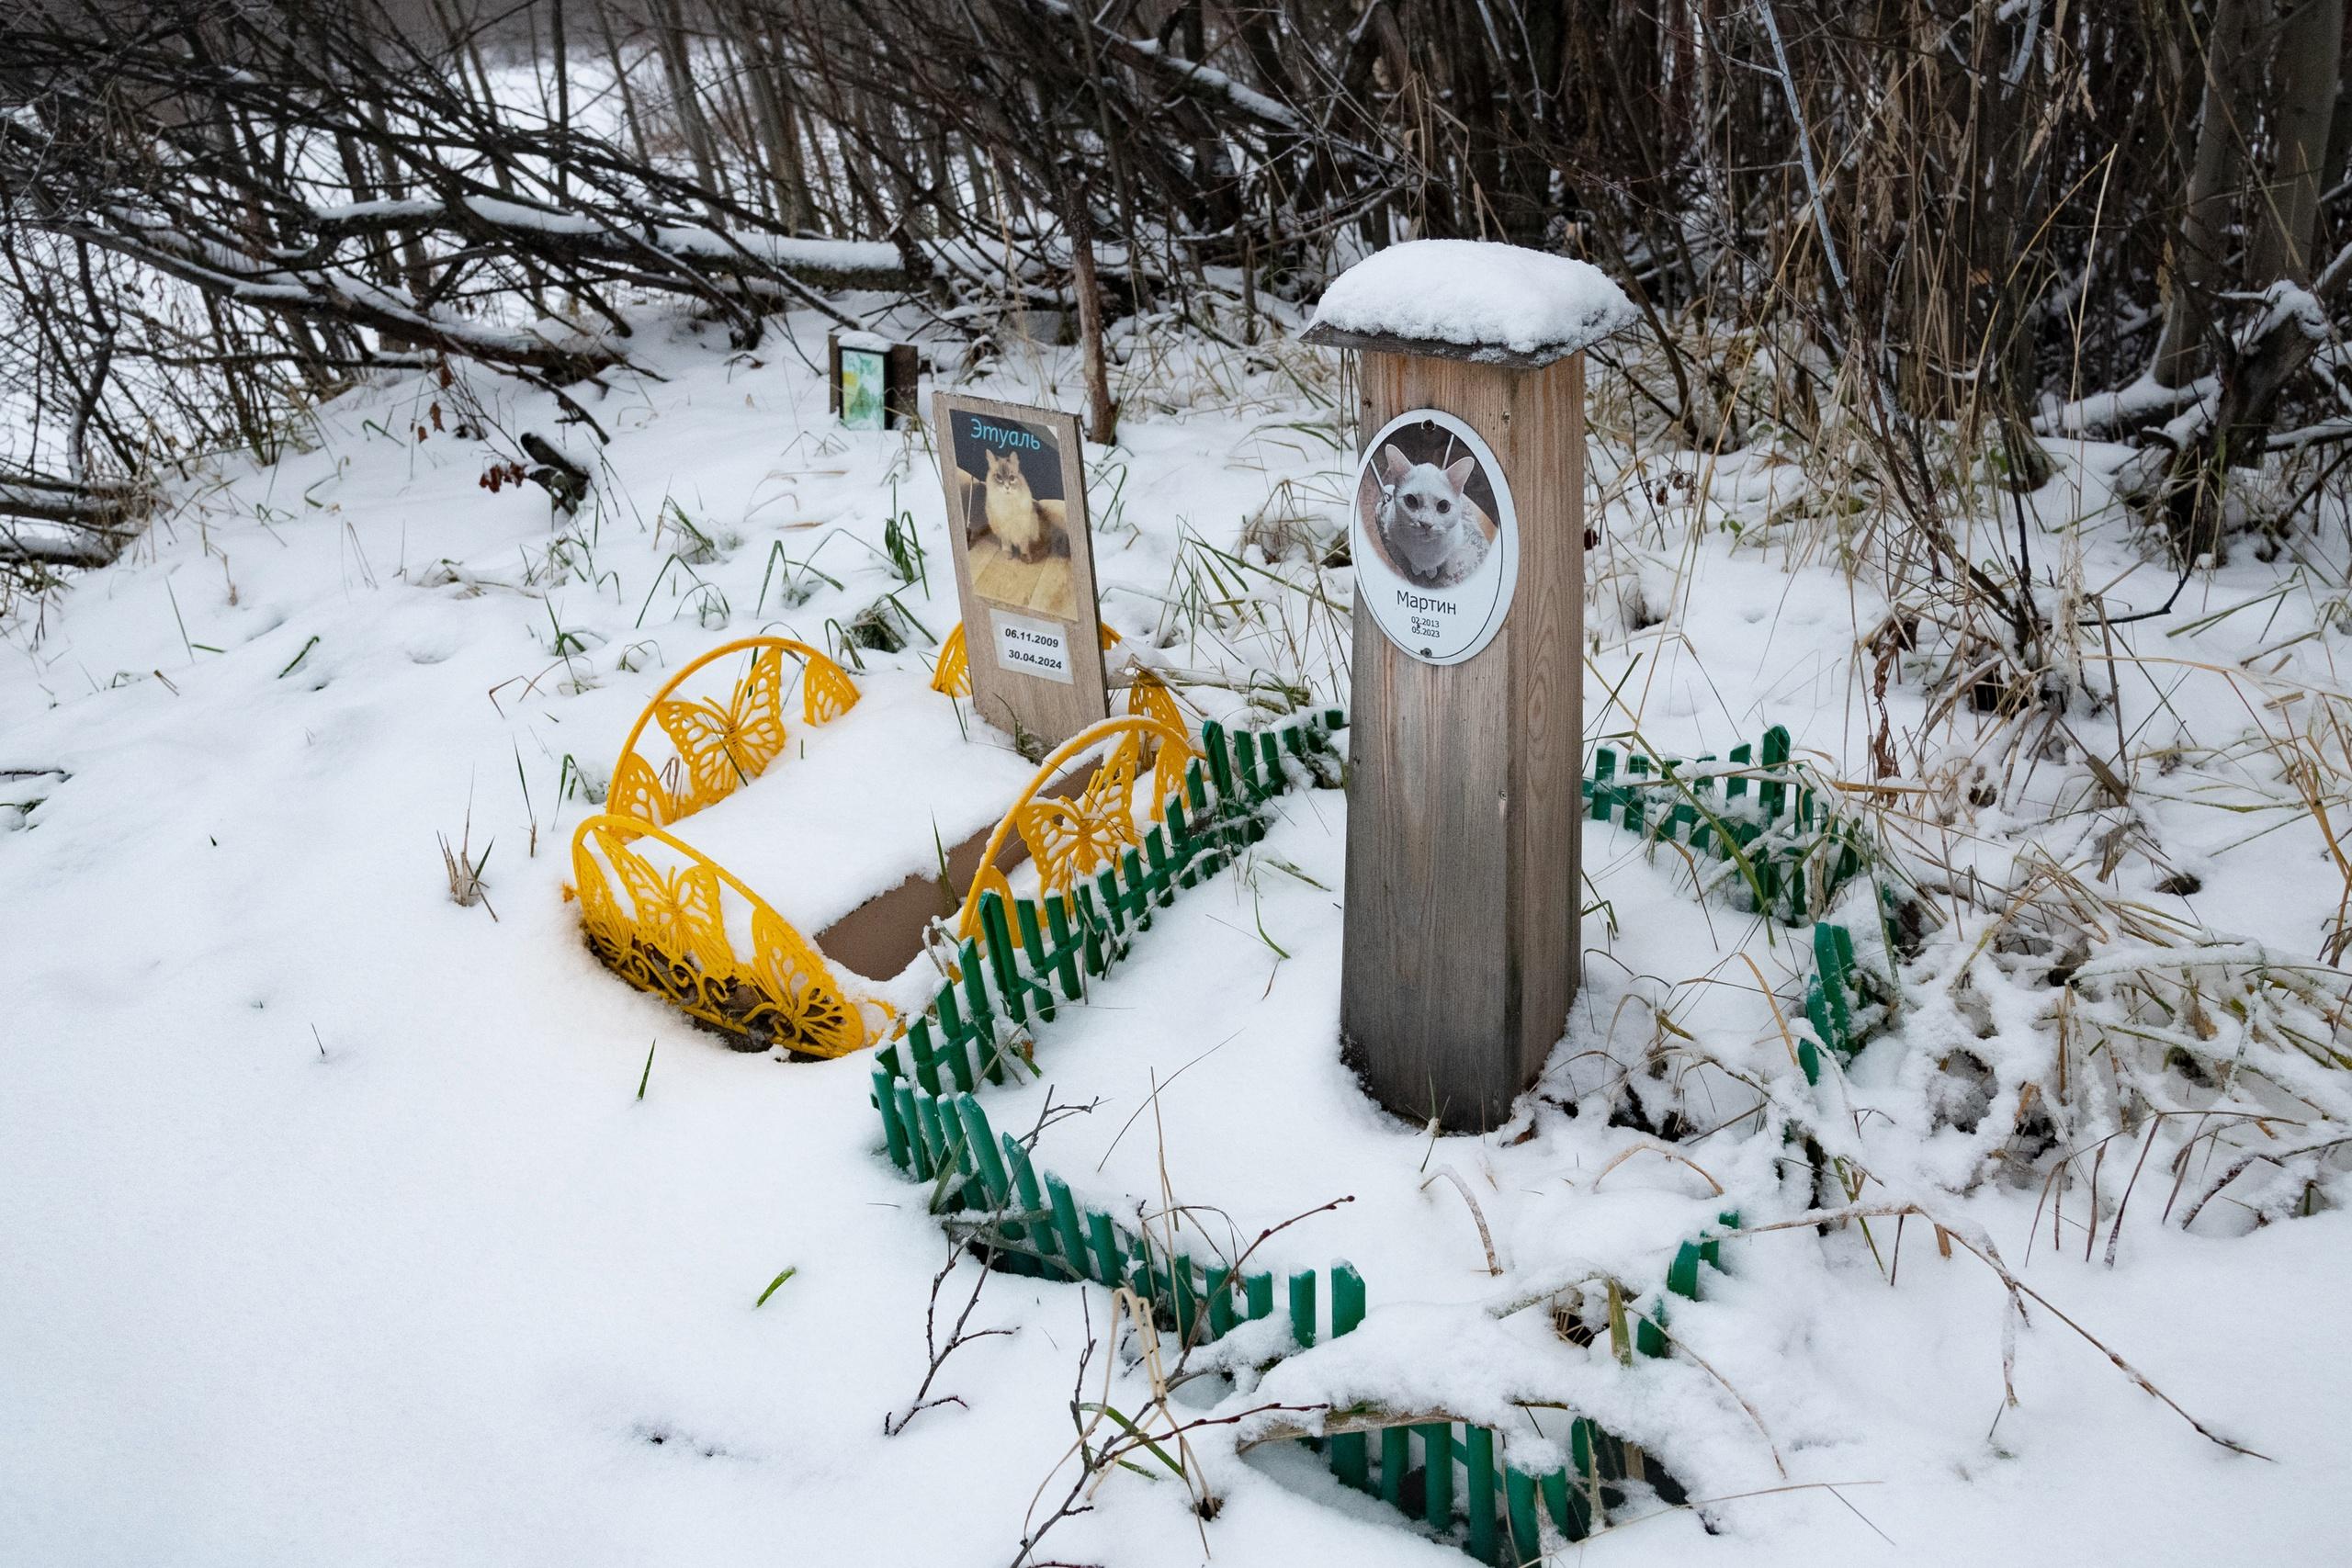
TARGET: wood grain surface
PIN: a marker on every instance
(1465, 821)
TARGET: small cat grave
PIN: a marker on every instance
(870, 381)
(1016, 479)
(1463, 945)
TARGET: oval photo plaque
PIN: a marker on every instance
(1434, 537)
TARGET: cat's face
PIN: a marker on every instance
(1422, 495)
(1004, 473)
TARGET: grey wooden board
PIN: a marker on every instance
(1464, 809)
(1536, 358)
(1014, 702)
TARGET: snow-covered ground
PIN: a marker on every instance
(339, 1230)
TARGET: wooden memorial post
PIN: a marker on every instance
(1015, 479)
(1464, 879)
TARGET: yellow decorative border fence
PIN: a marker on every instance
(664, 928)
(669, 922)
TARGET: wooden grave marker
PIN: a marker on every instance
(1464, 877)
(869, 380)
(1015, 479)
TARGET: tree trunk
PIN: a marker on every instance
(2195, 270)
(2311, 41)
(1102, 413)
(677, 65)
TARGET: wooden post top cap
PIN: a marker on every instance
(1472, 301)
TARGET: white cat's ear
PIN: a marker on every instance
(1457, 472)
(1393, 463)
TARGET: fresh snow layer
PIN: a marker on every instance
(856, 805)
(339, 1230)
(1477, 294)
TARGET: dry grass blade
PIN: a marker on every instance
(1478, 1217)
(1660, 1150)
(466, 885)
(2019, 1290)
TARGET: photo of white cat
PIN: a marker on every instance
(1008, 478)
(1429, 508)
(1434, 538)
(1431, 529)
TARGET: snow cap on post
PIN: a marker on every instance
(1472, 299)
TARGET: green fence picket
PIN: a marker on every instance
(1649, 1333)
(1773, 793)
(1396, 1458)
(934, 1138)
(1027, 1192)
(1478, 1502)
(1437, 1474)
(918, 1147)
(1219, 759)
(894, 1132)
(1569, 1507)
(987, 1162)
(1065, 948)
(1351, 1454)
(926, 1060)
(1103, 1238)
(1033, 945)
(1302, 1308)
(1519, 1491)
(1682, 1274)
(1000, 955)
(1066, 1226)
(1220, 1293)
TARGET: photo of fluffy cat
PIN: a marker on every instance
(1007, 481)
(1429, 526)
(1012, 511)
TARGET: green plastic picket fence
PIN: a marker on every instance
(1843, 1001)
(1450, 1475)
(936, 1132)
(1002, 984)
(1681, 1279)
(1037, 1226)
(1769, 819)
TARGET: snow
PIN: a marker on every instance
(520, 215)
(391, 208)
(845, 258)
(1477, 293)
(339, 1233)
(1242, 97)
(881, 788)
